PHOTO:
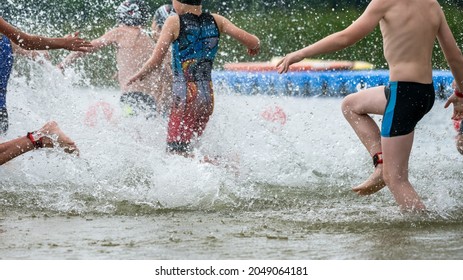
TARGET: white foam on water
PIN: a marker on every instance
(123, 159)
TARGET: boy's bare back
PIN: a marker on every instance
(134, 47)
(409, 29)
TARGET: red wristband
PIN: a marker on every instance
(36, 139)
(458, 94)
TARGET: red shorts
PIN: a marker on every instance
(457, 124)
(192, 105)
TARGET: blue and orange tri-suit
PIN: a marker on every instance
(193, 54)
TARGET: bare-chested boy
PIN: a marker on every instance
(409, 29)
(133, 47)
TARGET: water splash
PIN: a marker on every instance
(305, 166)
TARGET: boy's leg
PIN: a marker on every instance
(356, 108)
(396, 154)
(459, 143)
(21, 145)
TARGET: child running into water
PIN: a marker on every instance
(409, 29)
(133, 47)
(194, 36)
(12, 38)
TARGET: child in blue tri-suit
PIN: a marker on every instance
(195, 37)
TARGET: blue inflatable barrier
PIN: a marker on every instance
(317, 83)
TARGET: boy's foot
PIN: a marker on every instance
(373, 184)
(53, 134)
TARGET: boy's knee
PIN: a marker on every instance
(347, 105)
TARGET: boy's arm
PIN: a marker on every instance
(32, 42)
(31, 54)
(249, 40)
(169, 33)
(155, 30)
(360, 28)
(455, 60)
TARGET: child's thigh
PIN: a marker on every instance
(367, 101)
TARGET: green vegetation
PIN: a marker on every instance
(282, 25)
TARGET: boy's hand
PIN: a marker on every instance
(254, 51)
(457, 106)
(72, 42)
(285, 62)
(133, 80)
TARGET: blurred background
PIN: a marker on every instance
(282, 25)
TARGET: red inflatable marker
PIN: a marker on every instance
(98, 110)
(274, 114)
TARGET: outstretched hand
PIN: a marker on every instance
(72, 42)
(133, 79)
(457, 106)
(285, 62)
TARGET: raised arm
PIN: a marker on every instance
(360, 28)
(32, 42)
(250, 41)
(168, 34)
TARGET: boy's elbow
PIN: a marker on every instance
(345, 38)
(345, 41)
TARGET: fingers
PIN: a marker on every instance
(138, 77)
(282, 66)
(74, 43)
(72, 35)
(131, 81)
(72, 149)
(447, 104)
(78, 44)
(81, 49)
